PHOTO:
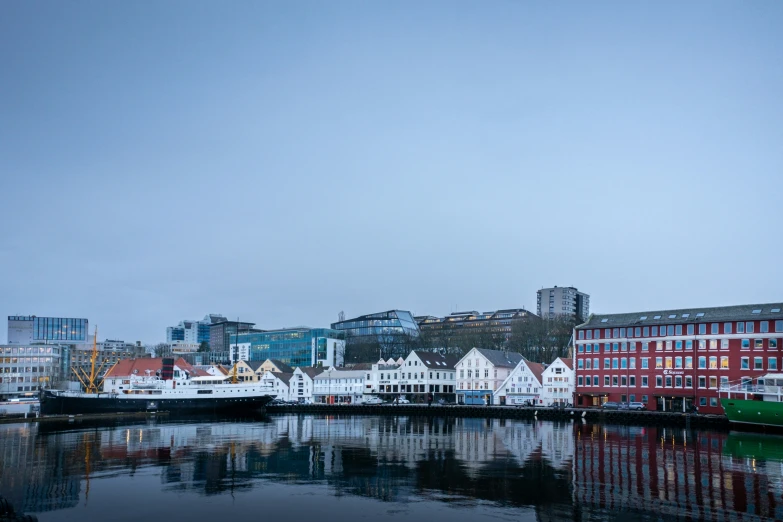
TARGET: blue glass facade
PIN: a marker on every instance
(392, 329)
(54, 328)
(203, 332)
(177, 334)
(293, 347)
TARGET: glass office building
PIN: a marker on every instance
(28, 329)
(24, 368)
(296, 347)
(393, 330)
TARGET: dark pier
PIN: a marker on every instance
(592, 415)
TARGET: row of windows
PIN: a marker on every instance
(702, 344)
(669, 330)
(30, 350)
(676, 363)
(661, 381)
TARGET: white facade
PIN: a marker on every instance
(522, 386)
(335, 353)
(302, 385)
(242, 350)
(279, 382)
(335, 386)
(417, 377)
(480, 372)
(558, 383)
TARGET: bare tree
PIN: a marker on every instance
(542, 340)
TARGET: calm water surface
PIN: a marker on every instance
(382, 468)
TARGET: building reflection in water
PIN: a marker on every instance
(560, 471)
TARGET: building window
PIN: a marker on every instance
(646, 331)
(645, 346)
(658, 362)
(632, 346)
(632, 362)
(637, 332)
(702, 400)
(678, 362)
(758, 344)
(746, 344)
(658, 381)
(669, 330)
(702, 362)
(740, 327)
(713, 344)
(745, 363)
(678, 330)
(724, 363)
(772, 344)
(678, 382)
(702, 329)
(702, 344)
(713, 402)
(644, 381)
(688, 381)
(779, 326)
(654, 331)
(614, 363)
(690, 329)
(749, 327)
(772, 363)
(624, 363)
(580, 364)
(702, 382)
(713, 363)
(689, 345)
(668, 362)
(632, 381)
(645, 362)
(724, 344)
(688, 363)
(579, 381)
(658, 346)
(714, 328)
(607, 363)
(668, 381)
(595, 380)
(678, 345)
(606, 380)
(623, 381)
(758, 363)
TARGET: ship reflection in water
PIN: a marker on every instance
(381, 468)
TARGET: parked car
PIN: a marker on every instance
(277, 402)
(401, 400)
(611, 406)
(444, 402)
(373, 400)
(637, 406)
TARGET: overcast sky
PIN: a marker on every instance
(282, 161)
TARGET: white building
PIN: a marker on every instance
(339, 386)
(280, 383)
(558, 382)
(301, 385)
(480, 372)
(522, 386)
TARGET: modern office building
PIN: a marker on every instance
(23, 368)
(565, 300)
(674, 359)
(193, 332)
(292, 346)
(220, 333)
(29, 329)
(393, 330)
(110, 352)
(473, 321)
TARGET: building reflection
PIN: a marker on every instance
(563, 470)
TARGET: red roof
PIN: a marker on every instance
(568, 362)
(536, 368)
(128, 367)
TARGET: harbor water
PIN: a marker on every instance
(333, 467)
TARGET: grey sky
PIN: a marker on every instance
(282, 161)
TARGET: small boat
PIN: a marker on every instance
(757, 401)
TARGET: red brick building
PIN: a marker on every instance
(672, 359)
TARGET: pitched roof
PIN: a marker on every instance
(312, 371)
(537, 369)
(283, 367)
(254, 365)
(686, 315)
(568, 362)
(436, 360)
(283, 376)
(364, 366)
(501, 358)
(126, 367)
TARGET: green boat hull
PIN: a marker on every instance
(760, 413)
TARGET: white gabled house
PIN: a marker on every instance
(558, 382)
(522, 386)
(301, 385)
(279, 382)
(480, 372)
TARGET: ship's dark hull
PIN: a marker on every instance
(55, 404)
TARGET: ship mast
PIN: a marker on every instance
(89, 381)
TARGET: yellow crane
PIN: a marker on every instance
(90, 381)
